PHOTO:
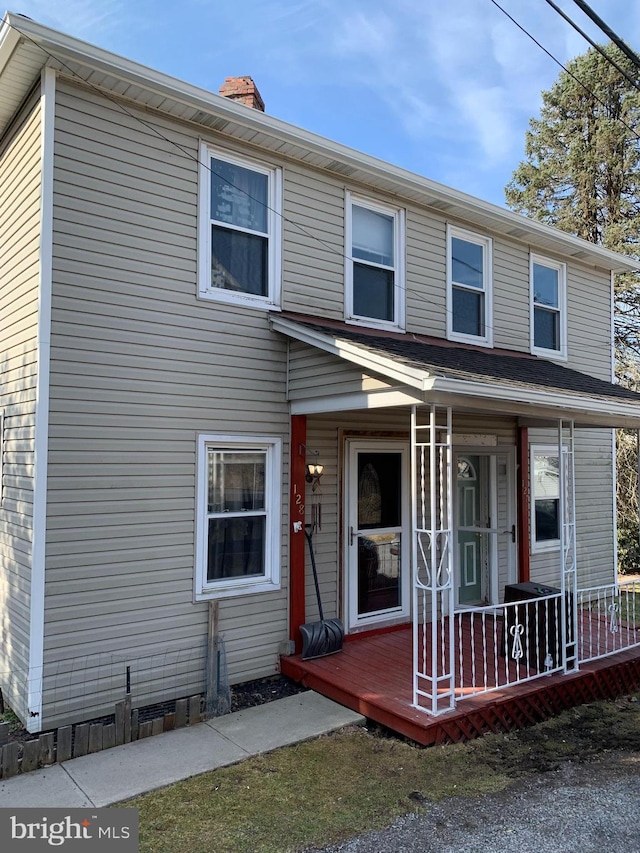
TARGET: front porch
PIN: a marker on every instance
(453, 480)
(374, 676)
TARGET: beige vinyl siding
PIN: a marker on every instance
(589, 321)
(140, 367)
(510, 296)
(314, 250)
(594, 511)
(310, 368)
(20, 186)
(594, 508)
(426, 273)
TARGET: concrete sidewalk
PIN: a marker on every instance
(126, 771)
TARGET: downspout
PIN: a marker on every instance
(41, 443)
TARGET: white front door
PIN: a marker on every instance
(377, 532)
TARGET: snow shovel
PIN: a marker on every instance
(326, 636)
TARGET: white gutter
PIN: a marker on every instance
(430, 384)
(542, 399)
(513, 224)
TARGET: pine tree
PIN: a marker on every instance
(582, 169)
(582, 174)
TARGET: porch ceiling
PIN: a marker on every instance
(415, 369)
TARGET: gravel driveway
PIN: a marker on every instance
(580, 808)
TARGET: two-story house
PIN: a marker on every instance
(197, 301)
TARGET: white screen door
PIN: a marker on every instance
(377, 547)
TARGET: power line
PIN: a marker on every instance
(630, 54)
(594, 44)
(564, 68)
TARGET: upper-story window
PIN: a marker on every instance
(469, 308)
(548, 312)
(375, 264)
(239, 253)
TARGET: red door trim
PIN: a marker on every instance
(297, 471)
(524, 527)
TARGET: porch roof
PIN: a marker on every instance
(418, 369)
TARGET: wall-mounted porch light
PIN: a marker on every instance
(314, 472)
(314, 469)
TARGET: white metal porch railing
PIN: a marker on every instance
(613, 622)
(499, 646)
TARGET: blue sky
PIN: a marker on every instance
(444, 88)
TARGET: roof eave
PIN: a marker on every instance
(597, 410)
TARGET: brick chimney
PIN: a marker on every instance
(242, 90)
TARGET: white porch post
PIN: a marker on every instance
(637, 487)
(432, 561)
(568, 553)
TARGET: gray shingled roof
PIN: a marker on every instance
(476, 364)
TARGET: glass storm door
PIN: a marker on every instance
(475, 546)
(377, 535)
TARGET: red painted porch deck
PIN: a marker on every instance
(373, 675)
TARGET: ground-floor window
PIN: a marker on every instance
(545, 498)
(239, 512)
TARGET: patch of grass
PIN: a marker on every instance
(630, 607)
(7, 716)
(313, 793)
(326, 790)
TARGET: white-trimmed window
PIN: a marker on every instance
(239, 515)
(374, 272)
(545, 498)
(548, 311)
(469, 298)
(239, 234)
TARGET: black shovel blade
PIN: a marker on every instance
(321, 638)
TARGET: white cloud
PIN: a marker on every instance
(371, 35)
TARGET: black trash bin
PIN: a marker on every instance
(541, 622)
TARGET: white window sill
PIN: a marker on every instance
(367, 323)
(470, 339)
(549, 354)
(545, 547)
(230, 589)
(261, 303)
